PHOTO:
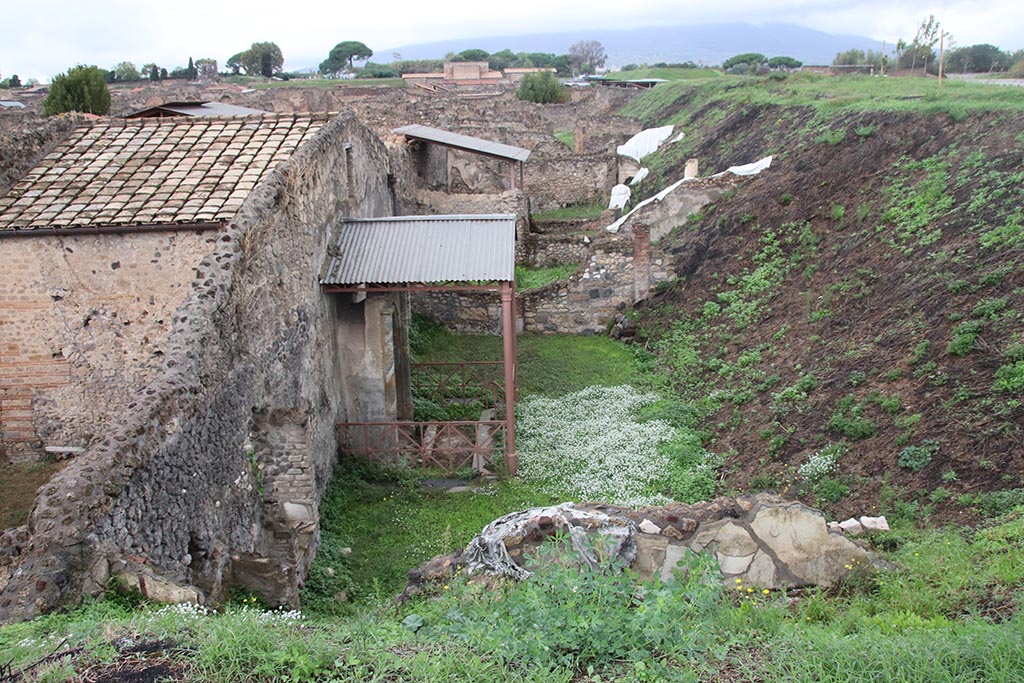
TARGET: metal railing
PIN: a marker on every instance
(445, 446)
(444, 382)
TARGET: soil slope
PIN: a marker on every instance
(862, 299)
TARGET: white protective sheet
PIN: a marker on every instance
(640, 175)
(620, 197)
(744, 170)
(644, 142)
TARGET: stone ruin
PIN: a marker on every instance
(757, 540)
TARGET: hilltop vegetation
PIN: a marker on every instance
(863, 298)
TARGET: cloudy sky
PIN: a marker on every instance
(45, 37)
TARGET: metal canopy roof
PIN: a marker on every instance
(424, 249)
(201, 108)
(466, 142)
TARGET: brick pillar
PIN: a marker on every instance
(641, 261)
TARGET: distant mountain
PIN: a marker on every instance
(710, 44)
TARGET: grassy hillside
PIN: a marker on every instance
(863, 299)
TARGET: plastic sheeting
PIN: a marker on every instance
(744, 170)
(487, 551)
(620, 197)
(640, 175)
(644, 142)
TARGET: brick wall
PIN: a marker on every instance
(83, 324)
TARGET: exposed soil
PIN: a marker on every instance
(855, 312)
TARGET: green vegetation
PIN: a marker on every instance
(566, 137)
(531, 278)
(666, 73)
(82, 89)
(542, 88)
(585, 212)
(829, 94)
(947, 610)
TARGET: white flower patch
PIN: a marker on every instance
(821, 463)
(590, 445)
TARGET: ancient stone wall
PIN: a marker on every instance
(180, 485)
(556, 250)
(25, 137)
(83, 324)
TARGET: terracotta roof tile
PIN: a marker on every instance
(143, 171)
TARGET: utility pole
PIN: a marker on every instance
(942, 35)
(884, 58)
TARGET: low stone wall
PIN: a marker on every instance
(183, 484)
(757, 541)
(553, 182)
(556, 250)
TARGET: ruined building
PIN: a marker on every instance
(163, 321)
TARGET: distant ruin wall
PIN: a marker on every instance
(553, 182)
(186, 484)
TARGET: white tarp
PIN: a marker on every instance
(620, 197)
(744, 170)
(644, 142)
(640, 175)
(748, 169)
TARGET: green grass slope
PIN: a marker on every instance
(862, 302)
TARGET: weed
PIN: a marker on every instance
(916, 458)
(964, 337)
(848, 420)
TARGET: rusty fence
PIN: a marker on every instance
(445, 382)
(445, 446)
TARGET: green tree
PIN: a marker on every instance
(502, 59)
(373, 70)
(857, 57)
(977, 58)
(542, 88)
(472, 55)
(151, 71)
(126, 71)
(191, 72)
(262, 59)
(82, 89)
(342, 55)
(784, 63)
(234, 63)
(749, 60)
(921, 49)
(12, 82)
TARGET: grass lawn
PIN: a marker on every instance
(570, 213)
(550, 365)
(531, 278)
(669, 74)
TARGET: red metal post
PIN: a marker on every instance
(508, 333)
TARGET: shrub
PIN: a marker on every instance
(916, 458)
(964, 336)
(80, 89)
(1010, 377)
(542, 88)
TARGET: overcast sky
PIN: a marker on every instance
(45, 37)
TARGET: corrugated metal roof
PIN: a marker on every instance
(466, 142)
(400, 249)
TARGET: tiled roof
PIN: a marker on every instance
(153, 171)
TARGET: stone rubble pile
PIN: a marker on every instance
(759, 540)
